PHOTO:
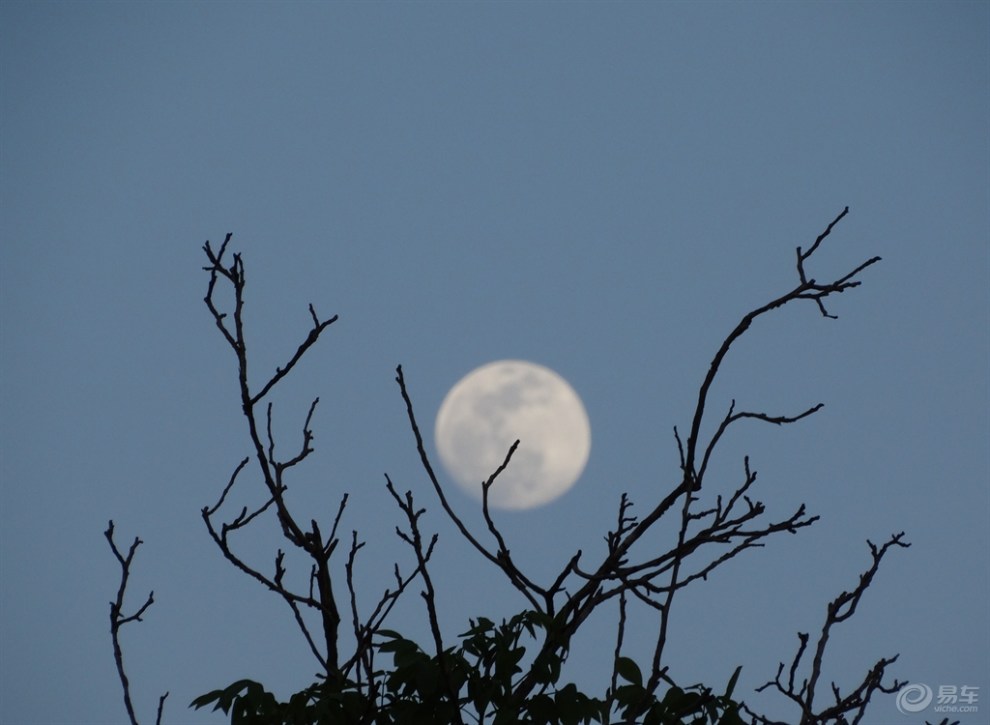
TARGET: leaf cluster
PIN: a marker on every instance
(473, 682)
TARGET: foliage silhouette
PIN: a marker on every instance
(482, 671)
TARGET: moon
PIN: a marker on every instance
(509, 400)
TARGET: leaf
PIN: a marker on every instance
(398, 645)
(408, 657)
(479, 626)
(627, 695)
(226, 697)
(629, 671)
(731, 716)
(427, 678)
(732, 682)
(204, 700)
(540, 708)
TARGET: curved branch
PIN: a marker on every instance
(424, 458)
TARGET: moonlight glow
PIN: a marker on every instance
(501, 402)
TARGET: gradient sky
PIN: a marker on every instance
(601, 189)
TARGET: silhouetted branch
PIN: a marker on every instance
(374, 622)
(118, 619)
(724, 524)
(311, 338)
(161, 709)
(708, 535)
(801, 257)
(694, 475)
(620, 633)
(512, 571)
(311, 541)
(364, 633)
(235, 275)
(839, 610)
(415, 540)
(498, 559)
(293, 601)
(732, 417)
(363, 652)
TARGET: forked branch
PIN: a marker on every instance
(706, 534)
(844, 708)
(309, 538)
(734, 530)
(119, 619)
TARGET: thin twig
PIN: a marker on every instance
(850, 707)
(118, 619)
(498, 561)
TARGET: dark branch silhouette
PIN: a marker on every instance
(845, 708)
(119, 619)
(490, 672)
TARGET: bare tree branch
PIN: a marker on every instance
(845, 708)
(709, 531)
(118, 619)
(415, 540)
(726, 527)
(311, 540)
(498, 559)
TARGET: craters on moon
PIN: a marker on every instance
(505, 401)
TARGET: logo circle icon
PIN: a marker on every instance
(914, 698)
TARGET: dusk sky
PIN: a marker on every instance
(601, 189)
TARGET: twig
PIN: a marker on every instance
(839, 610)
(499, 561)
(415, 539)
(311, 541)
(118, 619)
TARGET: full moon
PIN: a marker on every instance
(509, 400)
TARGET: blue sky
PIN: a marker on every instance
(601, 189)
